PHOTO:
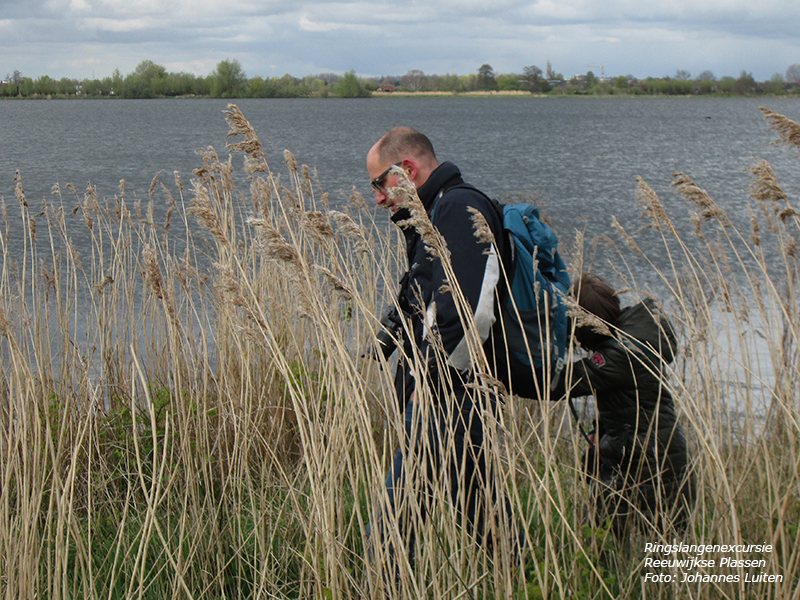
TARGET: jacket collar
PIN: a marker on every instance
(443, 177)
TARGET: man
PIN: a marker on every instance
(444, 443)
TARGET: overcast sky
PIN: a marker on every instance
(86, 38)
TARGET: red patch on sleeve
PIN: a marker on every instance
(598, 360)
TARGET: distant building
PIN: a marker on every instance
(386, 88)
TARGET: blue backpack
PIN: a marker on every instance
(534, 313)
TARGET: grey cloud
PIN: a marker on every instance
(13, 9)
(439, 37)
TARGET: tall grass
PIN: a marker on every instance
(189, 409)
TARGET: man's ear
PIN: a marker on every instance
(410, 166)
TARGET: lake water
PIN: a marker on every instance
(578, 157)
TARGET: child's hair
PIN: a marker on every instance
(596, 296)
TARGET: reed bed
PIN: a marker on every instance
(190, 409)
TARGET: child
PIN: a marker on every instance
(640, 458)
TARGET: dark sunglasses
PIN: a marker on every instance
(377, 183)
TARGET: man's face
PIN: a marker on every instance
(382, 180)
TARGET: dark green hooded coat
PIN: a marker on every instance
(643, 448)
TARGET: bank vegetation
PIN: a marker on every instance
(228, 80)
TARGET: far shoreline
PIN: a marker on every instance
(403, 94)
(477, 94)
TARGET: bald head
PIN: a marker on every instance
(401, 142)
(403, 147)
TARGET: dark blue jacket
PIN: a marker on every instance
(478, 272)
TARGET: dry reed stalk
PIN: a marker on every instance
(305, 179)
(291, 161)
(405, 193)
(151, 273)
(653, 208)
(357, 200)
(755, 229)
(347, 227)
(481, 228)
(19, 193)
(764, 187)
(338, 284)
(629, 241)
(275, 245)
(232, 292)
(255, 159)
(315, 224)
(201, 208)
(788, 130)
(178, 183)
(692, 193)
(774, 202)
(261, 192)
(153, 183)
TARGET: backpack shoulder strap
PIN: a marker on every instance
(467, 186)
(509, 256)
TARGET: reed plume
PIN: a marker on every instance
(691, 192)
(200, 207)
(274, 245)
(583, 318)
(317, 226)
(346, 226)
(290, 161)
(18, 191)
(481, 228)
(788, 130)
(338, 284)
(255, 159)
(764, 186)
(628, 238)
(405, 193)
(653, 208)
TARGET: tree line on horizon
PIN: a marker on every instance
(228, 80)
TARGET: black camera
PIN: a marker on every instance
(389, 334)
(391, 327)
